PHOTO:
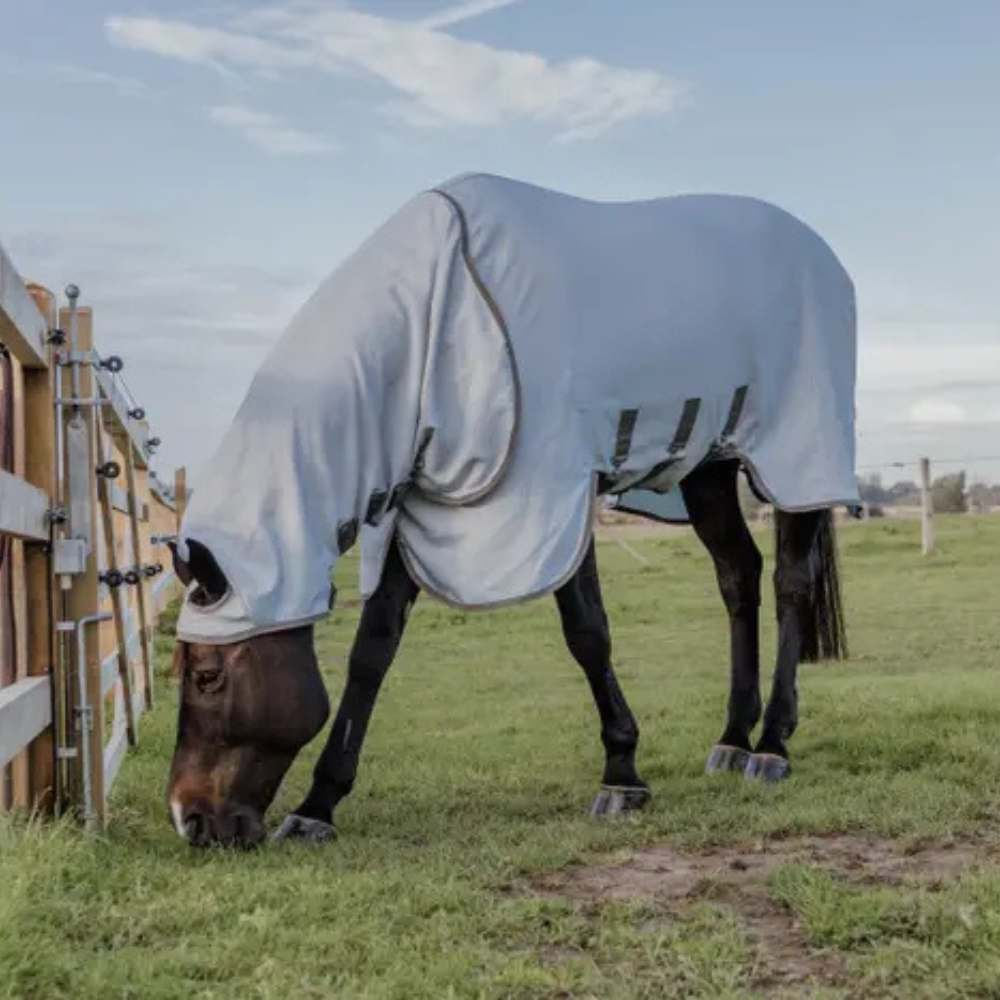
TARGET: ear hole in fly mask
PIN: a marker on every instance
(202, 599)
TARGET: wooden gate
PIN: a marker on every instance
(82, 576)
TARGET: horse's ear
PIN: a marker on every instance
(201, 568)
(207, 572)
(181, 568)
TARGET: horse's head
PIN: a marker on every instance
(246, 709)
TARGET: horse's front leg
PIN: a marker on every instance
(585, 626)
(380, 631)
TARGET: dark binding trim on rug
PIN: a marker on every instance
(636, 512)
(498, 318)
(585, 538)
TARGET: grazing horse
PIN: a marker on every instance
(457, 395)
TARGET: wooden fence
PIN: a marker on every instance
(82, 574)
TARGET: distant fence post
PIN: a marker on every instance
(926, 507)
(180, 494)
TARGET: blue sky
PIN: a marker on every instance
(198, 167)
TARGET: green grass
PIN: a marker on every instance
(482, 759)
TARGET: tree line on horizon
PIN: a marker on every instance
(951, 494)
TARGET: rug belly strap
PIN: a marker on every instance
(615, 484)
(623, 439)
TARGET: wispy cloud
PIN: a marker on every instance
(124, 86)
(80, 75)
(199, 44)
(268, 133)
(464, 12)
(432, 79)
(938, 411)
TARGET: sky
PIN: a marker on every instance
(198, 168)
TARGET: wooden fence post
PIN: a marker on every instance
(10, 616)
(25, 701)
(20, 766)
(926, 507)
(40, 471)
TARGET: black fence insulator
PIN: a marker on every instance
(110, 470)
(57, 515)
(112, 363)
(112, 577)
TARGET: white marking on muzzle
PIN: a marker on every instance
(177, 812)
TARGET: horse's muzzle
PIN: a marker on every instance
(228, 826)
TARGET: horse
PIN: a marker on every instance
(457, 396)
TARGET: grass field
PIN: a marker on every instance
(466, 866)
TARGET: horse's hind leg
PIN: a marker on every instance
(585, 626)
(380, 631)
(711, 497)
(810, 626)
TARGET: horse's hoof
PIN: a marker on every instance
(727, 760)
(616, 800)
(767, 767)
(313, 831)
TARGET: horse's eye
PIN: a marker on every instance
(209, 677)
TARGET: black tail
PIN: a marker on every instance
(823, 634)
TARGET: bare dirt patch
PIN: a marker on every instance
(735, 878)
(666, 874)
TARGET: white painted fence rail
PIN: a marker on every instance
(25, 713)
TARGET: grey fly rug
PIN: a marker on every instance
(495, 355)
